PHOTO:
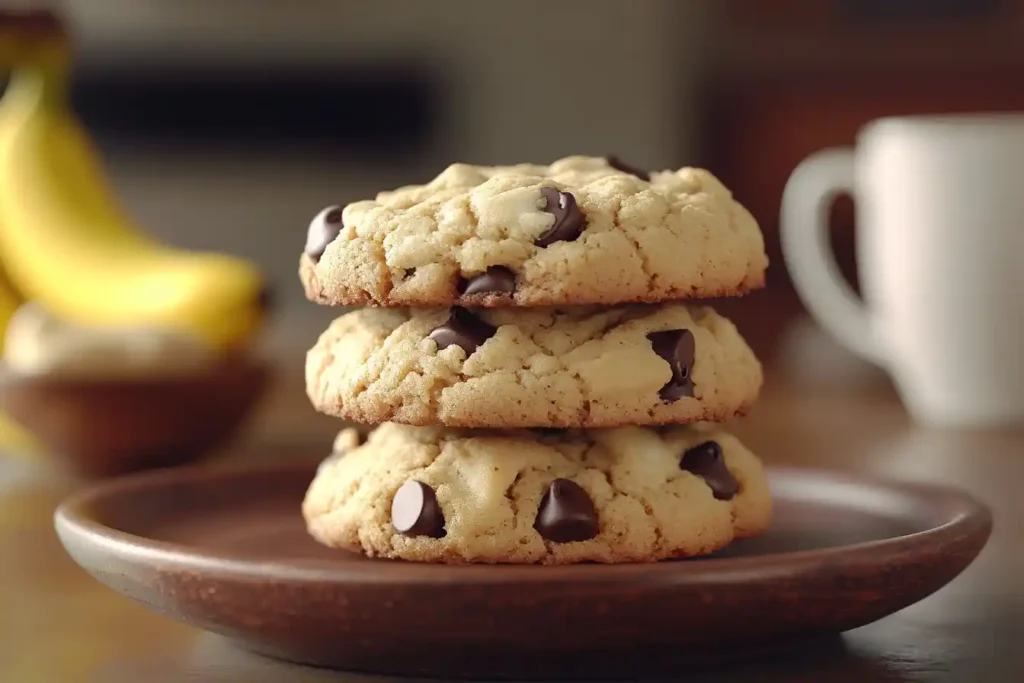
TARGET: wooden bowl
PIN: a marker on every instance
(101, 428)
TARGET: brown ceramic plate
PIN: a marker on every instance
(227, 551)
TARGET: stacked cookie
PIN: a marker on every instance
(543, 390)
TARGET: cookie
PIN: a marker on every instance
(578, 367)
(581, 231)
(627, 494)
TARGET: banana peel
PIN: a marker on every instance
(64, 237)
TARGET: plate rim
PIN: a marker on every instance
(967, 518)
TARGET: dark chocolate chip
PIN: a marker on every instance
(415, 512)
(408, 273)
(620, 165)
(707, 462)
(494, 280)
(569, 220)
(323, 230)
(677, 347)
(463, 329)
(566, 513)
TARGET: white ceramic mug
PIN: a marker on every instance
(940, 252)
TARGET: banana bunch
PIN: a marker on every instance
(65, 240)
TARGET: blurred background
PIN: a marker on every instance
(228, 124)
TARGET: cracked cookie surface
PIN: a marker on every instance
(580, 231)
(484, 496)
(576, 367)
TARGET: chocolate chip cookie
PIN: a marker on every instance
(539, 367)
(584, 230)
(628, 494)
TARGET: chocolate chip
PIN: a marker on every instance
(566, 513)
(569, 220)
(707, 462)
(494, 280)
(620, 165)
(415, 512)
(408, 273)
(463, 329)
(323, 230)
(677, 347)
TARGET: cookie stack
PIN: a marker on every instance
(541, 389)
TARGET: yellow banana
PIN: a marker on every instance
(65, 239)
(9, 303)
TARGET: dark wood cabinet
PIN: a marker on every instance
(793, 76)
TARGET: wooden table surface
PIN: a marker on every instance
(820, 408)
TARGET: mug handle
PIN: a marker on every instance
(803, 231)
